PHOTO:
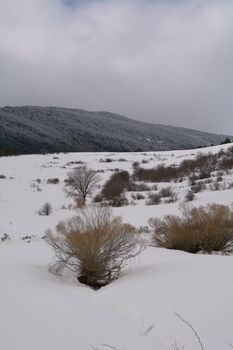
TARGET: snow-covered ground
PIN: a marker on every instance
(42, 311)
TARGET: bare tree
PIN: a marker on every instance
(81, 182)
(93, 244)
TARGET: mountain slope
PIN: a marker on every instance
(30, 129)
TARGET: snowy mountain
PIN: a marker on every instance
(31, 129)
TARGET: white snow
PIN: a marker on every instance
(42, 311)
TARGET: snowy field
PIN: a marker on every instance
(136, 312)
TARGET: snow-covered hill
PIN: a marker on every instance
(43, 311)
(30, 129)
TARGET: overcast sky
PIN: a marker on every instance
(162, 61)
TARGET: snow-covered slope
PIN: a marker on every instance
(41, 311)
(30, 129)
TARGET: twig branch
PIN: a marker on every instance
(148, 329)
(191, 327)
(109, 346)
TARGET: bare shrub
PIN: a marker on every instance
(5, 237)
(219, 178)
(115, 186)
(138, 187)
(46, 209)
(204, 175)
(81, 182)
(202, 164)
(138, 196)
(166, 192)
(120, 201)
(198, 187)
(94, 244)
(215, 186)
(53, 181)
(106, 160)
(135, 165)
(192, 180)
(190, 196)
(204, 229)
(169, 195)
(226, 163)
(154, 199)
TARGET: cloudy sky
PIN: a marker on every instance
(162, 61)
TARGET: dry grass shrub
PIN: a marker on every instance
(205, 229)
(94, 244)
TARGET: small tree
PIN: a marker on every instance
(81, 182)
(93, 244)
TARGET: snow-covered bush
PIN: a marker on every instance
(205, 229)
(93, 244)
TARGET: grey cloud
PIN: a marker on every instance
(161, 61)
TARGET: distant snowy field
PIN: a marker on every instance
(41, 311)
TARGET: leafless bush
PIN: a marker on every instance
(192, 179)
(106, 160)
(138, 187)
(120, 201)
(204, 229)
(94, 244)
(189, 196)
(166, 192)
(219, 178)
(215, 186)
(198, 187)
(53, 181)
(81, 182)
(138, 196)
(204, 175)
(46, 209)
(135, 165)
(154, 199)
(202, 165)
(5, 237)
(114, 188)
